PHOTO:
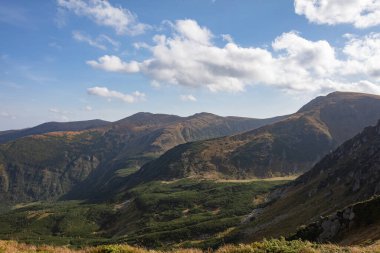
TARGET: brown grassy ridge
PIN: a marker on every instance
(265, 246)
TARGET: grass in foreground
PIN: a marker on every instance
(266, 246)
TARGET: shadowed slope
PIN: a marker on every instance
(348, 175)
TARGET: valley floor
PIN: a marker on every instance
(182, 214)
(266, 246)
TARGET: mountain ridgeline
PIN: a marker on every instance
(47, 161)
(290, 146)
(51, 127)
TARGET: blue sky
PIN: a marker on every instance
(66, 60)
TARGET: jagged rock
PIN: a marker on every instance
(334, 227)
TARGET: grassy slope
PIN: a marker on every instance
(192, 212)
(346, 176)
(184, 213)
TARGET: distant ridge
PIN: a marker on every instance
(52, 127)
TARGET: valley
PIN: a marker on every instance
(196, 213)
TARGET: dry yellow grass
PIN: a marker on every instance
(216, 178)
(270, 179)
(14, 247)
(278, 246)
(272, 246)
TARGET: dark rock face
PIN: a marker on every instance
(355, 165)
(42, 168)
(337, 226)
(28, 184)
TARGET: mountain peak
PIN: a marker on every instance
(148, 118)
(334, 97)
(204, 115)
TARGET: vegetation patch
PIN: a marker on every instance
(185, 213)
(127, 171)
(192, 212)
(58, 223)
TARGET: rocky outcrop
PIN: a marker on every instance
(337, 226)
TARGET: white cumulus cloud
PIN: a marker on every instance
(188, 98)
(190, 30)
(363, 56)
(189, 57)
(111, 94)
(114, 64)
(103, 13)
(360, 13)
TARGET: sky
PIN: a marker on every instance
(69, 60)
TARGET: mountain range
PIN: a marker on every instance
(59, 156)
(203, 180)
